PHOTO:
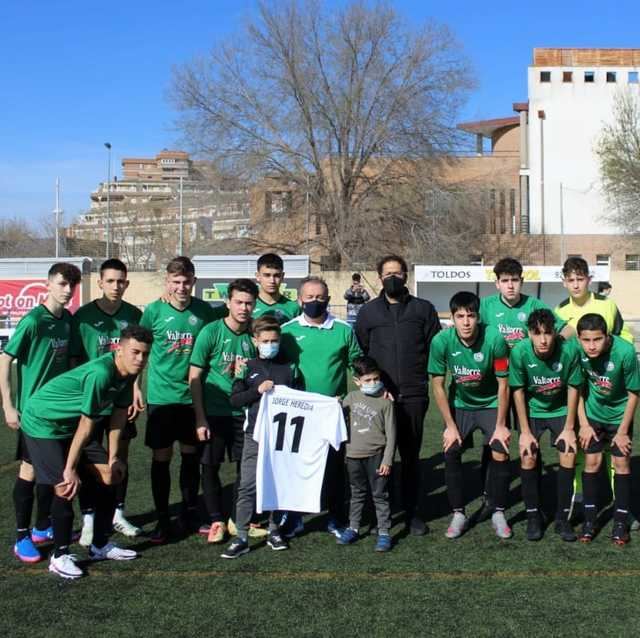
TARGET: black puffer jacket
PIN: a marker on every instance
(399, 341)
(244, 392)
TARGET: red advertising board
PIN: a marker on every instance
(19, 296)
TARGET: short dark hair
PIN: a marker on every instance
(270, 260)
(112, 264)
(464, 300)
(356, 277)
(592, 321)
(387, 258)
(576, 265)
(181, 266)
(508, 266)
(364, 365)
(541, 318)
(266, 323)
(139, 333)
(70, 272)
(242, 285)
(604, 285)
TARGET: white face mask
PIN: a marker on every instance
(268, 350)
(371, 388)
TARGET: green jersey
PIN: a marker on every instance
(545, 381)
(217, 351)
(40, 344)
(511, 321)
(174, 333)
(92, 389)
(322, 353)
(474, 369)
(95, 332)
(609, 377)
(283, 310)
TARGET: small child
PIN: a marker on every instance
(370, 450)
(259, 376)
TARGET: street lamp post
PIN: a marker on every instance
(108, 147)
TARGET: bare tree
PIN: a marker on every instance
(337, 103)
(618, 151)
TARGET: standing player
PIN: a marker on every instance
(221, 351)
(270, 301)
(57, 426)
(545, 377)
(606, 416)
(175, 326)
(477, 358)
(40, 346)
(96, 331)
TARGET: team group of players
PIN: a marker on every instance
(573, 372)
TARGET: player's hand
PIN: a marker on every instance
(450, 437)
(383, 470)
(265, 386)
(70, 483)
(165, 297)
(622, 442)
(203, 432)
(570, 441)
(240, 365)
(118, 470)
(527, 444)
(11, 417)
(137, 406)
(586, 434)
(502, 435)
(387, 395)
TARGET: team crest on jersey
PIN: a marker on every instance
(193, 320)
(245, 347)
(610, 366)
(522, 316)
(478, 356)
(557, 366)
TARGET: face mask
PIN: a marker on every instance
(372, 388)
(268, 350)
(315, 309)
(394, 286)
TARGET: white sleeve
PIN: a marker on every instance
(264, 408)
(336, 428)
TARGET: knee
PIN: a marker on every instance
(592, 463)
(26, 472)
(163, 456)
(500, 457)
(621, 464)
(567, 461)
(528, 462)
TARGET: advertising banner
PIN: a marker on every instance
(19, 296)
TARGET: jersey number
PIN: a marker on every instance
(281, 420)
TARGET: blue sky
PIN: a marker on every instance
(75, 74)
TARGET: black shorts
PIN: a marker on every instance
(605, 433)
(468, 421)
(167, 424)
(227, 436)
(554, 424)
(22, 453)
(129, 431)
(49, 457)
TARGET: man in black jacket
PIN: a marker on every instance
(396, 329)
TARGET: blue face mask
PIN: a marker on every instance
(268, 350)
(372, 388)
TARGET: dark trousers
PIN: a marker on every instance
(364, 477)
(409, 427)
(333, 487)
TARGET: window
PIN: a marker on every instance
(611, 77)
(567, 76)
(545, 76)
(503, 207)
(572, 255)
(633, 77)
(589, 76)
(602, 260)
(492, 211)
(632, 262)
(512, 209)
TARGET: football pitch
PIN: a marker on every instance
(427, 586)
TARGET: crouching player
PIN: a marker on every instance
(545, 377)
(57, 426)
(477, 357)
(605, 414)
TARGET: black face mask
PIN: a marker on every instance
(315, 309)
(394, 286)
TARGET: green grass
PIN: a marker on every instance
(426, 586)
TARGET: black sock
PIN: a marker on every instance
(105, 506)
(161, 487)
(622, 489)
(564, 477)
(530, 493)
(62, 521)
(44, 495)
(590, 495)
(23, 503)
(121, 491)
(500, 475)
(453, 477)
(212, 492)
(85, 499)
(485, 471)
(189, 480)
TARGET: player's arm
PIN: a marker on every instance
(622, 439)
(451, 435)
(117, 422)
(388, 415)
(195, 385)
(70, 478)
(10, 412)
(502, 434)
(243, 394)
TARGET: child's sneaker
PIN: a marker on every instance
(236, 548)
(39, 536)
(26, 551)
(276, 542)
(383, 543)
(347, 537)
